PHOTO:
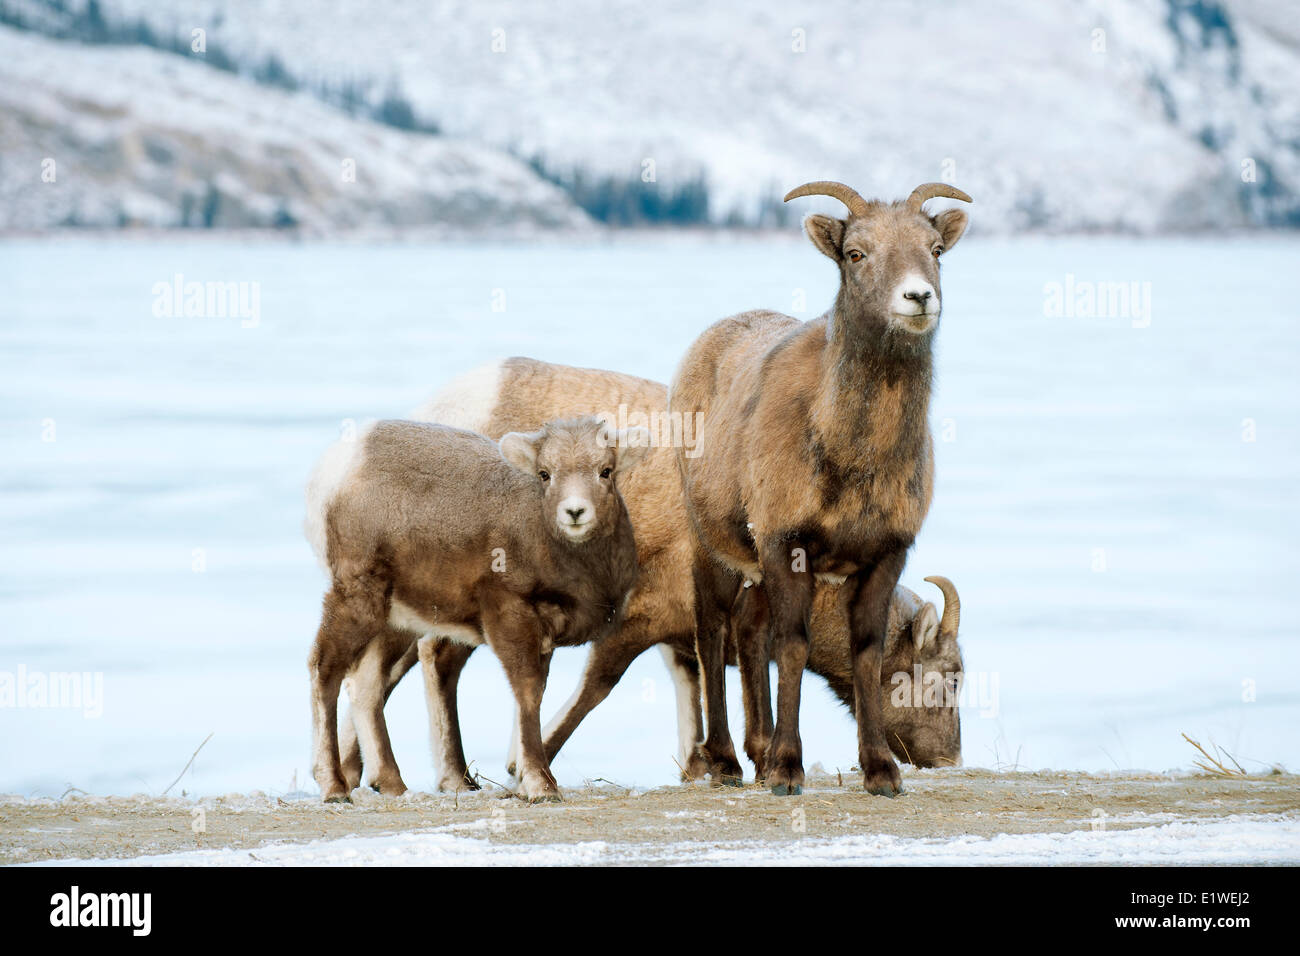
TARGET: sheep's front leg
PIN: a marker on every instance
(514, 634)
(868, 621)
(789, 587)
(441, 661)
(512, 752)
(607, 661)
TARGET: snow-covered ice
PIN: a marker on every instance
(1115, 499)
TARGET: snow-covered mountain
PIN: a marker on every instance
(1141, 115)
(117, 136)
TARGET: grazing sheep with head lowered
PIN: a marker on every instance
(921, 651)
(425, 529)
(819, 459)
(517, 394)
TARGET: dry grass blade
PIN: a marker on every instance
(1213, 763)
(514, 793)
(188, 762)
(906, 752)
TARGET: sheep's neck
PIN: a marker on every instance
(873, 397)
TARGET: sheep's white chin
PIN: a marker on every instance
(577, 532)
(915, 323)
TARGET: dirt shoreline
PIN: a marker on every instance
(937, 804)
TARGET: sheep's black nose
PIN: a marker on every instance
(918, 297)
(575, 513)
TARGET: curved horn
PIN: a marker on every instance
(824, 187)
(931, 191)
(951, 606)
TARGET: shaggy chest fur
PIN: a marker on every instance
(863, 506)
(588, 598)
(851, 474)
(575, 592)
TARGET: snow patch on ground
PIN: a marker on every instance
(1239, 840)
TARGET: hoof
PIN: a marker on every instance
(882, 779)
(726, 772)
(338, 798)
(697, 768)
(786, 790)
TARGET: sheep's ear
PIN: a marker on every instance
(631, 446)
(951, 225)
(520, 449)
(925, 626)
(826, 233)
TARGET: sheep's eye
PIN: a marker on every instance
(936, 251)
(855, 256)
(544, 475)
(606, 472)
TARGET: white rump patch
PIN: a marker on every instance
(467, 401)
(331, 473)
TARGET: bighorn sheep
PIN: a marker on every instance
(519, 393)
(523, 544)
(819, 459)
(921, 651)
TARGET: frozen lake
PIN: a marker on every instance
(1116, 496)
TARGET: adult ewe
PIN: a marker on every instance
(817, 456)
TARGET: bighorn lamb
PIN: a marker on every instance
(819, 459)
(518, 394)
(523, 544)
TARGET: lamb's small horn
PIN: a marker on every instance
(951, 606)
(932, 191)
(824, 187)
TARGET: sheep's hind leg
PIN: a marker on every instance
(712, 618)
(371, 683)
(684, 667)
(349, 743)
(749, 624)
(789, 599)
(441, 661)
(349, 622)
(607, 661)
